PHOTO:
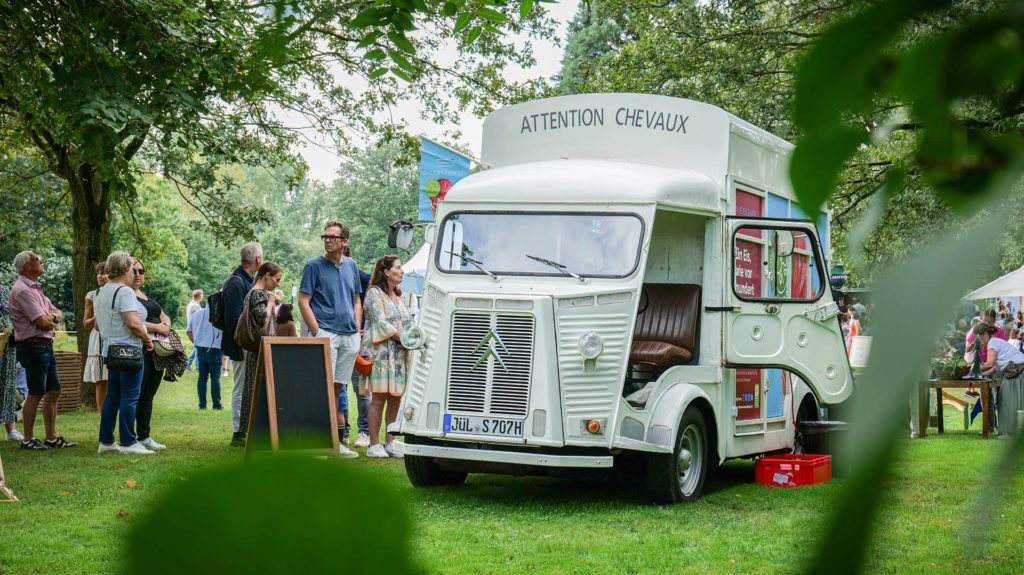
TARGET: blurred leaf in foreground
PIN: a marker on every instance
(273, 515)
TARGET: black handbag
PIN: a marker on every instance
(121, 356)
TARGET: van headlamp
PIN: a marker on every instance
(412, 337)
(591, 345)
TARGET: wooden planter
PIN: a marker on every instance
(69, 370)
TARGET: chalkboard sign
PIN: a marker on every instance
(293, 404)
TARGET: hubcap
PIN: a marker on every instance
(689, 460)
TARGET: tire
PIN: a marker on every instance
(424, 472)
(679, 476)
(808, 411)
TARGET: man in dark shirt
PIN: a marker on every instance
(233, 293)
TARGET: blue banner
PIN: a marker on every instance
(440, 168)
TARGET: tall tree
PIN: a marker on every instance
(105, 89)
(743, 55)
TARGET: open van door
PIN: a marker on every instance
(782, 313)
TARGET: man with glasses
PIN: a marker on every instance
(233, 296)
(34, 318)
(331, 307)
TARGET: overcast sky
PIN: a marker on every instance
(323, 163)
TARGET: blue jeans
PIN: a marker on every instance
(208, 364)
(363, 404)
(122, 396)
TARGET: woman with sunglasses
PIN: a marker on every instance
(156, 322)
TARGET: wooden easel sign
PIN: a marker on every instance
(293, 403)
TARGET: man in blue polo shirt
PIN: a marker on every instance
(332, 307)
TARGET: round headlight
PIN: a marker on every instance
(412, 337)
(591, 345)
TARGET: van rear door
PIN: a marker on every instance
(782, 313)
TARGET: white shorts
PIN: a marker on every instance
(344, 348)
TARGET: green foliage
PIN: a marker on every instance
(974, 167)
(270, 516)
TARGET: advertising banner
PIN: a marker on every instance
(440, 168)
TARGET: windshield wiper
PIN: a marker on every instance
(557, 266)
(477, 264)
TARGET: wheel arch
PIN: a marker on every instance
(671, 405)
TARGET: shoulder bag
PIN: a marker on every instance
(121, 356)
(248, 333)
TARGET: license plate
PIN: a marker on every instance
(476, 425)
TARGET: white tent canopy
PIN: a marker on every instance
(1010, 285)
(415, 270)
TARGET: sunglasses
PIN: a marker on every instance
(141, 272)
(331, 238)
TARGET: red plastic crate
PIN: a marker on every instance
(791, 470)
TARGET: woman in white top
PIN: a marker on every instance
(95, 371)
(119, 318)
(1000, 353)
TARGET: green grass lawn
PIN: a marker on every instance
(76, 507)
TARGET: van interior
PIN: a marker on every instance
(667, 329)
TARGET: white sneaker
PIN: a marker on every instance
(346, 453)
(363, 440)
(136, 449)
(151, 444)
(377, 450)
(112, 448)
(389, 448)
(15, 435)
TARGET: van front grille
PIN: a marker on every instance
(490, 366)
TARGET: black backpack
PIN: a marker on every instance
(215, 302)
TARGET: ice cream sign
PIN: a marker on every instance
(440, 168)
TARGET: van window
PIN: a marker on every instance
(775, 264)
(545, 244)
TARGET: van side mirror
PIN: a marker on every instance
(783, 243)
(400, 234)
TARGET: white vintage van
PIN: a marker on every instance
(631, 278)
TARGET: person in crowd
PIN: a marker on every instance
(989, 318)
(1016, 339)
(156, 322)
(386, 314)
(206, 341)
(1019, 320)
(331, 307)
(285, 321)
(225, 363)
(854, 328)
(1000, 356)
(119, 317)
(8, 371)
(262, 308)
(362, 401)
(235, 289)
(34, 317)
(193, 306)
(95, 371)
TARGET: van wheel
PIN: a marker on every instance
(679, 476)
(424, 471)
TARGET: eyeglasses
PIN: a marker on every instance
(331, 238)
(141, 272)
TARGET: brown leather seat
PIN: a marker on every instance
(666, 333)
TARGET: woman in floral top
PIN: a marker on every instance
(385, 314)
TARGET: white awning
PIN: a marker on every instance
(1010, 285)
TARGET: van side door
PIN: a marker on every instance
(782, 313)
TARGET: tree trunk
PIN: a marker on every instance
(90, 221)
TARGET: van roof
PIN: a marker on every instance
(568, 182)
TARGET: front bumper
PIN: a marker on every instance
(519, 458)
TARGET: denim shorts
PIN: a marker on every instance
(40, 367)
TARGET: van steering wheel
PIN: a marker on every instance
(645, 300)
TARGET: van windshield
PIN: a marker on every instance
(502, 243)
